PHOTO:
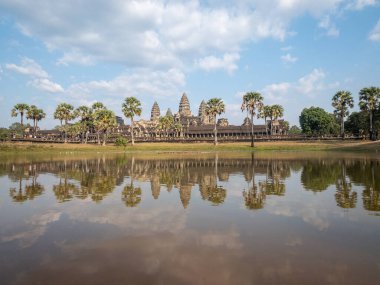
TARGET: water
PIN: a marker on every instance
(277, 218)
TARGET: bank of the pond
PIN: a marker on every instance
(190, 147)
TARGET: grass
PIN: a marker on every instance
(194, 147)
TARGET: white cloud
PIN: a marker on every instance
(374, 35)
(287, 48)
(40, 78)
(277, 92)
(312, 82)
(45, 84)
(158, 33)
(143, 83)
(360, 4)
(288, 58)
(75, 57)
(227, 62)
(28, 67)
(331, 29)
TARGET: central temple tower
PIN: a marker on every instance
(184, 106)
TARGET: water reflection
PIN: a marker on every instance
(97, 178)
(165, 219)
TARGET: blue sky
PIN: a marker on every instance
(297, 53)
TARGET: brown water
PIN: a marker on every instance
(194, 219)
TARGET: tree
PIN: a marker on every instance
(36, 115)
(20, 108)
(166, 123)
(64, 112)
(85, 115)
(316, 121)
(294, 130)
(369, 101)
(214, 107)
(252, 102)
(130, 108)
(265, 113)
(342, 101)
(104, 121)
(357, 123)
(285, 127)
(276, 111)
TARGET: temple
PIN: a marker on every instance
(195, 127)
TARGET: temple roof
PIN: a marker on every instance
(155, 113)
(184, 106)
(202, 108)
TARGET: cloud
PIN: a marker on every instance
(147, 84)
(308, 84)
(288, 58)
(45, 84)
(287, 48)
(28, 67)
(360, 4)
(275, 93)
(227, 62)
(77, 58)
(159, 34)
(374, 35)
(331, 29)
(40, 78)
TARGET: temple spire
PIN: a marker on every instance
(184, 106)
(155, 113)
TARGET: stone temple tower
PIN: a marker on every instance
(202, 109)
(155, 113)
(184, 106)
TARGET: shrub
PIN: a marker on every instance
(121, 141)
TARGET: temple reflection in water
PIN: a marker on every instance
(258, 178)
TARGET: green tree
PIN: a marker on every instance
(265, 113)
(64, 112)
(5, 134)
(36, 115)
(104, 121)
(252, 102)
(276, 111)
(214, 107)
(316, 121)
(84, 113)
(131, 107)
(166, 123)
(21, 109)
(357, 123)
(342, 101)
(285, 127)
(369, 101)
(294, 130)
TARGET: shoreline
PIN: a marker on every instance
(352, 146)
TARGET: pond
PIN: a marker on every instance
(203, 218)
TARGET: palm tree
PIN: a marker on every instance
(369, 101)
(252, 101)
(64, 112)
(20, 108)
(166, 123)
(98, 106)
(84, 113)
(36, 115)
(342, 101)
(214, 107)
(130, 108)
(265, 113)
(104, 121)
(277, 111)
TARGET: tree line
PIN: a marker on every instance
(315, 121)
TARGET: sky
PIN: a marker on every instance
(296, 53)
